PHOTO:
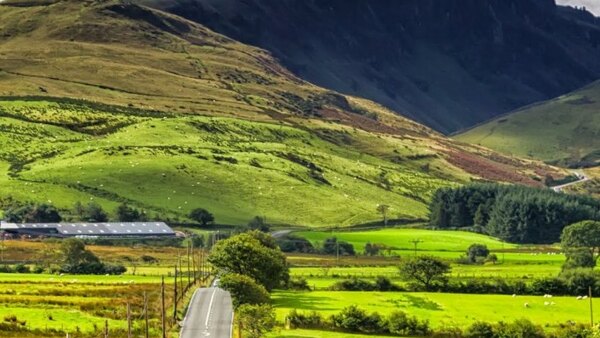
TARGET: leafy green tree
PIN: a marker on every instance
(354, 319)
(77, 259)
(92, 212)
(73, 252)
(399, 323)
(244, 290)
(578, 258)
(125, 213)
(331, 246)
(44, 213)
(255, 320)
(292, 243)
(476, 251)
(425, 270)
(202, 216)
(383, 210)
(17, 213)
(583, 235)
(480, 330)
(254, 255)
(259, 223)
(33, 213)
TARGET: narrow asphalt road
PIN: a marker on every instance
(210, 314)
(582, 178)
(280, 233)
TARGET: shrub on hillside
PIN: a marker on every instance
(480, 330)
(300, 284)
(312, 320)
(356, 284)
(353, 319)
(519, 328)
(295, 244)
(244, 290)
(399, 323)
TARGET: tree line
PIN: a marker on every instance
(516, 214)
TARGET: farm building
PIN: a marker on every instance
(118, 229)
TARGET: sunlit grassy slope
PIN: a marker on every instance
(442, 310)
(565, 130)
(170, 116)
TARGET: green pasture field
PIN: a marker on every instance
(446, 244)
(562, 130)
(400, 239)
(74, 279)
(441, 309)
(458, 271)
(514, 262)
(237, 169)
(80, 303)
(317, 334)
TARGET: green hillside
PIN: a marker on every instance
(564, 131)
(170, 116)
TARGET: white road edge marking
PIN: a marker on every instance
(188, 312)
(231, 327)
(212, 298)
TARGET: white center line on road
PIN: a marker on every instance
(212, 298)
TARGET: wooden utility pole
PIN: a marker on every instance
(202, 264)
(189, 252)
(128, 320)
(194, 263)
(175, 298)
(106, 328)
(181, 289)
(162, 307)
(337, 252)
(591, 307)
(416, 242)
(146, 314)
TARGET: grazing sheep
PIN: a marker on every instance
(584, 297)
(579, 297)
(526, 305)
(546, 303)
(514, 295)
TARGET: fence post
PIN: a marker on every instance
(162, 307)
(175, 298)
(146, 313)
(128, 320)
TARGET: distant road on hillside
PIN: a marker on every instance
(210, 314)
(280, 233)
(582, 178)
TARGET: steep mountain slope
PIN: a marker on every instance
(565, 130)
(171, 116)
(447, 63)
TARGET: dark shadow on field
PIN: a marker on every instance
(414, 301)
(311, 303)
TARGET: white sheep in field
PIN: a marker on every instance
(514, 295)
(579, 297)
(546, 303)
(526, 305)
